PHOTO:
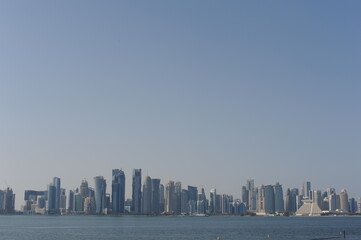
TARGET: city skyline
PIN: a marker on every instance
(117, 197)
(203, 92)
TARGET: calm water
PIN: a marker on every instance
(250, 228)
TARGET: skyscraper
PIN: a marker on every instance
(344, 206)
(56, 183)
(332, 201)
(84, 188)
(202, 202)
(137, 191)
(155, 196)
(51, 196)
(269, 199)
(118, 191)
(147, 196)
(192, 198)
(184, 202)
(252, 192)
(177, 197)
(70, 207)
(279, 202)
(161, 198)
(100, 193)
(245, 195)
(212, 201)
(317, 197)
(170, 198)
(9, 201)
(307, 190)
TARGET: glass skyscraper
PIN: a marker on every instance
(118, 191)
(56, 183)
(137, 191)
(100, 192)
(51, 196)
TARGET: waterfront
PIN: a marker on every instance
(152, 228)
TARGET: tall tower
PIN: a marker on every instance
(178, 197)
(56, 183)
(252, 195)
(192, 198)
(212, 201)
(344, 206)
(51, 199)
(161, 198)
(137, 191)
(147, 196)
(70, 206)
(170, 195)
(269, 198)
(84, 189)
(118, 191)
(9, 201)
(279, 202)
(307, 190)
(155, 196)
(100, 192)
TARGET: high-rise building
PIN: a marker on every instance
(70, 208)
(51, 199)
(78, 202)
(84, 188)
(344, 207)
(307, 190)
(118, 191)
(261, 199)
(184, 202)
(56, 183)
(317, 197)
(192, 199)
(100, 194)
(226, 204)
(170, 198)
(202, 202)
(353, 205)
(62, 203)
(245, 195)
(161, 198)
(155, 196)
(177, 197)
(291, 200)
(137, 191)
(212, 201)
(252, 195)
(269, 196)
(147, 196)
(278, 195)
(9, 201)
(332, 202)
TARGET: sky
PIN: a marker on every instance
(209, 93)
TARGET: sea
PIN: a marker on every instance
(177, 228)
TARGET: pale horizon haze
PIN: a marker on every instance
(209, 93)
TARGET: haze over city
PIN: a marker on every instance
(204, 92)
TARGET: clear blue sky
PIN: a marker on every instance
(204, 92)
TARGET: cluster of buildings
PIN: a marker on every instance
(269, 199)
(151, 197)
